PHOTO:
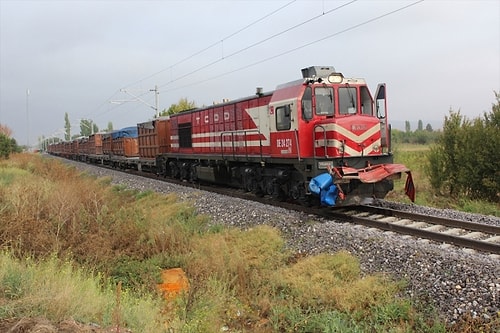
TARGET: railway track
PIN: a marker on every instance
(469, 235)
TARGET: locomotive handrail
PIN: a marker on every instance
(244, 132)
(297, 142)
(324, 138)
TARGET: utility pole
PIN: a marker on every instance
(157, 100)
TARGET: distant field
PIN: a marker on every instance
(410, 147)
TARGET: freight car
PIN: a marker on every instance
(322, 137)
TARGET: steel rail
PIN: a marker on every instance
(493, 248)
(487, 228)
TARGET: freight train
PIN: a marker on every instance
(323, 138)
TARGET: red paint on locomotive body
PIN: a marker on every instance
(230, 128)
(351, 136)
(276, 125)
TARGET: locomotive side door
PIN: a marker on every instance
(283, 122)
(380, 111)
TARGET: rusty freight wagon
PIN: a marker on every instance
(95, 144)
(154, 138)
(125, 142)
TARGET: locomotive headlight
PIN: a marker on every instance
(335, 78)
(376, 148)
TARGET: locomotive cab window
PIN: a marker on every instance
(348, 100)
(185, 140)
(283, 118)
(324, 101)
(366, 101)
(307, 112)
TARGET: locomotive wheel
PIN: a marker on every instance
(185, 171)
(248, 185)
(278, 194)
(295, 193)
(174, 173)
(270, 187)
(309, 201)
(193, 176)
(258, 191)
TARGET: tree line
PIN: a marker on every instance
(465, 161)
(421, 136)
(88, 127)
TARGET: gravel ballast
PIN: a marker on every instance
(454, 281)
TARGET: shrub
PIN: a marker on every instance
(466, 160)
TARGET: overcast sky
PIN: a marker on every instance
(84, 57)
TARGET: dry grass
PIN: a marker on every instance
(58, 291)
(84, 217)
(240, 280)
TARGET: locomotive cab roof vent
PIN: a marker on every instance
(317, 71)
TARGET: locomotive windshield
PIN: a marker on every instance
(366, 101)
(307, 112)
(347, 100)
(324, 101)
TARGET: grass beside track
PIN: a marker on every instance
(76, 248)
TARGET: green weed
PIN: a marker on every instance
(57, 290)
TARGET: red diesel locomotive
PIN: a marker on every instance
(276, 143)
(323, 137)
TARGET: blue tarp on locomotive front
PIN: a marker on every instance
(323, 186)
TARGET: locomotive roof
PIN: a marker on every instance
(232, 101)
(312, 74)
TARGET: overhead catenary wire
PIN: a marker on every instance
(258, 43)
(222, 58)
(233, 34)
(299, 47)
(377, 18)
(213, 44)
